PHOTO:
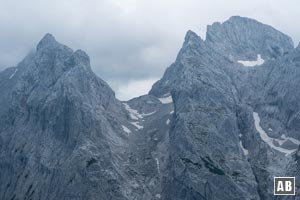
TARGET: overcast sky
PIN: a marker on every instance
(130, 42)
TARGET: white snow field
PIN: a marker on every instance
(127, 130)
(253, 63)
(166, 99)
(11, 76)
(270, 141)
(132, 112)
(245, 151)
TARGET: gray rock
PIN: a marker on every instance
(64, 135)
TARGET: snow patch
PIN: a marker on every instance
(172, 112)
(166, 99)
(168, 122)
(245, 151)
(148, 114)
(157, 164)
(126, 129)
(270, 141)
(137, 125)
(252, 63)
(11, 76)
(134, 114)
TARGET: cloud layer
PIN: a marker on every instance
(130, 42)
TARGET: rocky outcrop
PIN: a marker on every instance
(243, 38)
(58, 134)
(214, 142)
(220, 124)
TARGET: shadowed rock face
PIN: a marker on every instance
(56, 123)
(241, 38)
(215, 97)
(64, 135)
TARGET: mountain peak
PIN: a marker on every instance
(81, 58)
(48, 36)
(191, 35)
(298, 47)
(47, 41)
(239, 18)
(191, 38)
(243, 38)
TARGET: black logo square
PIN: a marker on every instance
(284, 185)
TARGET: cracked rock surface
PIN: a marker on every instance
(211, 128)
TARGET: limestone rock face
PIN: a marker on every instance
(220, 124)
(58, 134)
(242, 37)
(214, 144)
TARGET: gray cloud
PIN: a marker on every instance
(129, 41)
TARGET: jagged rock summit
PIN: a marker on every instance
(47, 41)
(220, 124)
(240, 37)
